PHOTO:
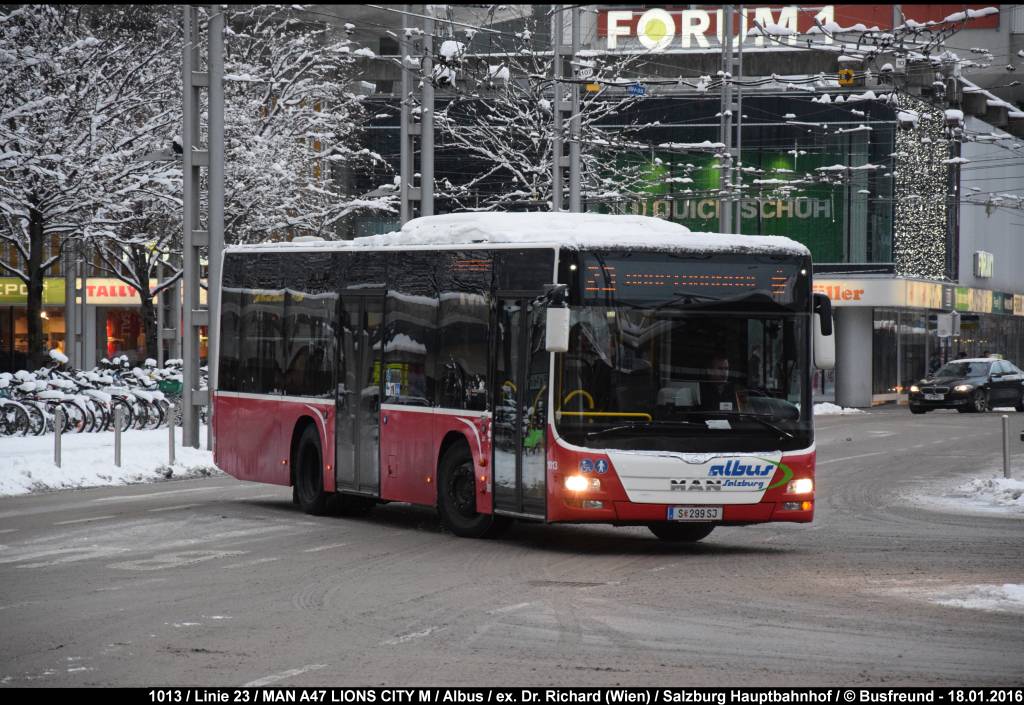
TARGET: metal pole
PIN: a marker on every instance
(161, 317)
(58, 429)
(1006, 446)
(725, 125)
(216, 207)
(70, 310)
(405, 159)
(81, 348)
(738, 216)
(190, 173)
(171, 425)
(118, 422)
(557, 146)
(575, 171)
(427, 118)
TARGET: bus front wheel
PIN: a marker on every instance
(309, 474)
(680, 532)
(456, 497)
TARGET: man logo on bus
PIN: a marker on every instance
(601, 466)
(696, 485)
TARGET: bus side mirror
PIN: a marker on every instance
(824, 344)
(557, 333)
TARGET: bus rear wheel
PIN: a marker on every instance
(456, 497)
(680, 532)
(309, 475)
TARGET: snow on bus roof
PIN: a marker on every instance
(570, 230)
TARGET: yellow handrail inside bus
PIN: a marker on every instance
(645, 417)
(570, 395)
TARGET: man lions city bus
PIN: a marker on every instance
(544, 367)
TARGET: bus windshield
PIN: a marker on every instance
(686, 368)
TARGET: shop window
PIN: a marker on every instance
(884, 351)
(124, 333)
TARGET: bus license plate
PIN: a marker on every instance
(694, 513)
(934, 397)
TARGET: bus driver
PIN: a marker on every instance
(717, 393)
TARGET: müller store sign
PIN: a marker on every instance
(700, 27)
(903, 293)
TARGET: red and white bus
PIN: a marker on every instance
(545, 367)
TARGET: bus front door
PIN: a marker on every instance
(357, 461)
(520, 365)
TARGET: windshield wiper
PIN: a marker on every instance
(759, 418)
(727, 415)
(644, 426)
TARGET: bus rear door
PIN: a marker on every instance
(357, 461)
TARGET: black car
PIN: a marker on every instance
(975, 384)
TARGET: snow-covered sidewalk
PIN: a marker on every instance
(979, 495)
(829, 409)
(26, 464)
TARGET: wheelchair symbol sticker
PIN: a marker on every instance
(586, 465)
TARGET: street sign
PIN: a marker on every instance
(637, 89)
(593, 87)
(845, 77)
(585, 72)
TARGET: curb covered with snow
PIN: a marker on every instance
(26, 464)
(981, 495)
(828, 409)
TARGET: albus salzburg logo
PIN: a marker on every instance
(737, 475)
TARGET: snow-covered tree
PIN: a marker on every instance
(500, 120)
(139, 240)
(294, 111)
(80, 103)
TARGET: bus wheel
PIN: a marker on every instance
(680, 533)
(456, 497)
(309, 476)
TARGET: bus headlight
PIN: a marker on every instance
(804, 485)
(914, 388)
(579, 483)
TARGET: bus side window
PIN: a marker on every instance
(463, 324)
(230, 324)
(410, 338)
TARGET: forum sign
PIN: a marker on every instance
(658, 29)
(701, 26)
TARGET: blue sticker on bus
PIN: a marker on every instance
(586, 465)
(602, 465)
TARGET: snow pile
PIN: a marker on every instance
(26, 464)
(828, 409)
(978, 495)
(993, 492)
(574, 230)
(1008, 597)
